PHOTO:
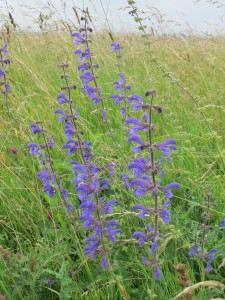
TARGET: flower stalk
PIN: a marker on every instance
(143, 183)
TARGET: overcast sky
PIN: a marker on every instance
(179, 15)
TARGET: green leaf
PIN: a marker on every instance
(53, 202)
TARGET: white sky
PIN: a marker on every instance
(201, 16)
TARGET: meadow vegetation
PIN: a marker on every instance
(39, 240)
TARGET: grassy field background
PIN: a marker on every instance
(41, 247)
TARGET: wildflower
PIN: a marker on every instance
(137, 139)
(208, 267)
(167, 188)
(83, 67)
(139, 125)
(5, 51)
(87, 77)
(154, 246)
(69, 131)
(6, 61)
(72, 145)
(62, 98)
(104, 116)
(210, 255)
(34, 148)
(141, 236)
(165, 213)
(63, 191)
(123, 111)
(50, 190)
(142, 187)
(50, 282)
(144, 210)
(105, 263)
(222, 224)
(137, 99)
(35, 128)
(166, 146)
(69, 208)
(117, 98)
(115, 47)
(83, 54)
(119, 84)
(140, 165)
(7, 86)
(62, 113)
(44, 176)
(107, 207)
(80, 39)
(126, 180)
(157, 273)
(2, 74)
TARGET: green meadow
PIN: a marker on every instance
(39, 240)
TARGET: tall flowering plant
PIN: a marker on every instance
(86, 67)
(4, 61)
(89, 179)
(199, 250)
(48, 176)
(147, 172)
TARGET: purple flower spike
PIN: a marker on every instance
(142, 237)
(166, 146)
(5, 51)
(49, 190)
(34, 148)
(69, 208)
(62, 113)
(35, 128)
(154, 246)
(123, 111)
(193, 251)
(211, 252)
(121, 84)
(83, 67)
(83, 54)
(208, 267)
(166, 190)
(137, 139)
(115, 47)
(62, 98)
(222, 224)
(105, 263)
(134, 121)
(50, 282)
(142, 187)
(7, 86)
(104, 114)
(157, 273)
(45, 177)
(117, 98)
(6, 61)
(80, 39)
(165, 213)
(87, 77)
(108, 206)
(143, 209)
(144, 260)
(136, 98)
(2, 73)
